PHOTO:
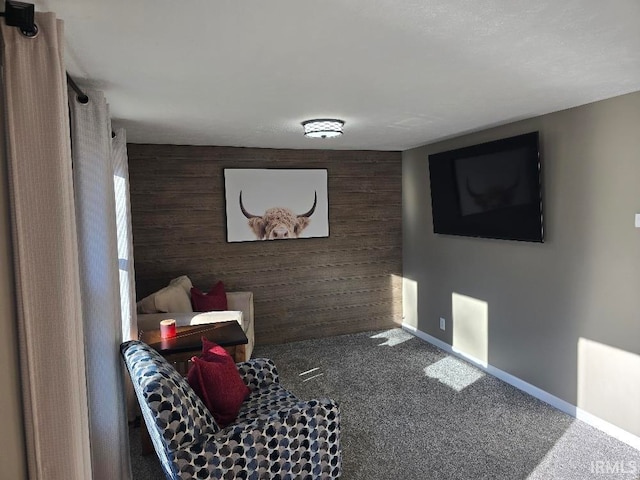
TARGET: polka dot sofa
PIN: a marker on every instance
(276, 436)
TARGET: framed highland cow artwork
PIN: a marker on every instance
(276, 204)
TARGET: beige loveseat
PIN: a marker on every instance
(174, 301)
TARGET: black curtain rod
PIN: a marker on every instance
(82, 97)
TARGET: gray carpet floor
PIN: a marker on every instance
(411, 411)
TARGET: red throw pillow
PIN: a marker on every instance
(216, 380)
(212, 352)
(215, 299)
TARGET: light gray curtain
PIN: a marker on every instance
(47, 284)
(125, 253)
(93, 168)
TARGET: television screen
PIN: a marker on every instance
(489, 190)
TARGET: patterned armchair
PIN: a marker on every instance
(275, 436)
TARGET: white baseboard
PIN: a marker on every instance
(562, 405)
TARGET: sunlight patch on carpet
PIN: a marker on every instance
(311, 378)
(393, 337)
(599, 462)
(454, 373)
(309, 372)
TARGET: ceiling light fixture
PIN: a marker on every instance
(323, 128)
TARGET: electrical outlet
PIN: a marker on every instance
(443, 323)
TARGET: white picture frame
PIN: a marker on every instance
(276, 204)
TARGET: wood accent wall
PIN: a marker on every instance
(306, 288)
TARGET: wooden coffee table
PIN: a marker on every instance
(188, 341)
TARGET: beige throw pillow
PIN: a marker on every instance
(183, 282)
(174, 298)
(147, 304)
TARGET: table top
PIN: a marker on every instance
(189, 338)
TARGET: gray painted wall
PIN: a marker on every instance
(581, 286)
(12, 450)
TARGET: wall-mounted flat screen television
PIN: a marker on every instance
(490, 190)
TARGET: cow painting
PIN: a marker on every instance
(278, 223)
(276, 204)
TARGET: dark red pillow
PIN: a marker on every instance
(216, 380)
(215, 299)
(212, 352)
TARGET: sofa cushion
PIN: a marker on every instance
(214, 300)
(216, 380)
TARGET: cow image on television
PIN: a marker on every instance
(495, 196)
(278, 223)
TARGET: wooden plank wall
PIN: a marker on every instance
(307, 288)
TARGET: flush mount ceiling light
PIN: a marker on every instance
(323, 128)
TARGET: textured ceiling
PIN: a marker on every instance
(401, 74)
